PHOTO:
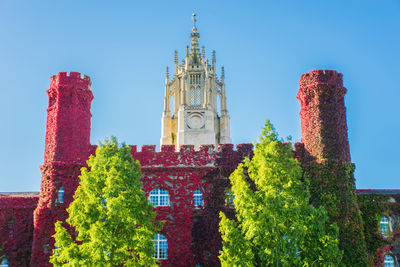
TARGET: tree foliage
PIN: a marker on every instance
(111, 222)
(275, 224)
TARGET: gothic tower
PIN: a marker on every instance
(191, 115)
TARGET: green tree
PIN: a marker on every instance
(276, 225)
(112, 219)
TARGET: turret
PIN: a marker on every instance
(66, 152)
(68, 118)
(326, 161)
(323, 115)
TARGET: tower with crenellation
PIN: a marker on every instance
(195, 110)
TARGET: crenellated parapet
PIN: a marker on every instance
(187, 156)
(321, 77)
(71, 80)
(68, 118)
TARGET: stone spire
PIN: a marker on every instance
(199, 115)
(194, 35)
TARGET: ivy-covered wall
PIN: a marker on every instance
(67, 147)
(326, 158)
(16, 229)
(192, 232)
(375, 204)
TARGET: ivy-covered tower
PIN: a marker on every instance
(67, 147)
(195, 111)
(326, 161)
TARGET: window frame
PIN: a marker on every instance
(384, 224)
(388, 262)
(4, 263)
(160, 243)
(60, 194)
(198, 194)
(159, 197)
(229, 198)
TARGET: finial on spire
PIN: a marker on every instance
(222, 73)
(167, 74)
(203, 52)
(194, 35)
(194, 20)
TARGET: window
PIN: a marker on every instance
(192, 96)
(195, 96)
(195, 79)
(11, 228)
(4, 263)
(198, 197)
(230, 196)
(195, 90)
(198, 97)
(160, 247)
(55, 250)
(384, 225)
(388, 261)
(61, 195)
(159, 197)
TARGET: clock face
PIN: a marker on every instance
(195, 121)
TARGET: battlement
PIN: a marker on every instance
(187, 156)
(321, 77)
(73, 79)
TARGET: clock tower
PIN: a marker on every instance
(195, 111)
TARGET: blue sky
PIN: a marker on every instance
(124, 46)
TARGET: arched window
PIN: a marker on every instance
(160, 247)
(388, 261)
(218, 106)
(172, 105)
(4, 263)
(384, 225)
(159, 197)
(61, 195)
(198, 197)
(198, 96)
(192, 96)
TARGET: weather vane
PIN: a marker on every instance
(194, 19)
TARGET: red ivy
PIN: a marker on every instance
(16, 228)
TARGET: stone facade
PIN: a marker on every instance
(198, 115)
